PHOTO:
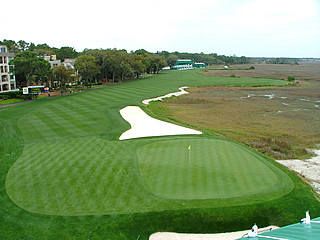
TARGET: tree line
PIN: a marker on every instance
(94, 65)
(208, 59)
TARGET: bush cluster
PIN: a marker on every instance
(92, 84)
(291, 78)
(12, 95)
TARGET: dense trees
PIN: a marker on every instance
(66, 52)
(29, 69)
(119, 65)
(40, 49)
(208, 59)
(87, 68)
(62, 75)
(93, 65)
(283, 61)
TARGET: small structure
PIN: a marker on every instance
(7, 79)
(183, 64)
(254, 231)
(307, 219)
(69, 63)
(54, 62)
(52, 59)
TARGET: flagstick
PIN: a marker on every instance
(189, 154)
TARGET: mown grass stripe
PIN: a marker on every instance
(82, 159)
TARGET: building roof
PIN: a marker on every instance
(295, 231)
(184, 60)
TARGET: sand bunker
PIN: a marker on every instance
(142, 125)
(309, 169)
(217, 236)
(176, 94)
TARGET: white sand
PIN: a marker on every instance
(182, 91)
(309, 169)
(142, 125)
(216, 236)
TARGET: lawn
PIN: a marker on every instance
(10, 101)
(65, 175)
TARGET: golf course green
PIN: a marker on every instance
(66, 175)
(204, 168)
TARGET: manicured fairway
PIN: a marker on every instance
(64, 173)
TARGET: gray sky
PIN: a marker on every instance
(271, 28)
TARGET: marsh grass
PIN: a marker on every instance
(280, 122)
(303, 71)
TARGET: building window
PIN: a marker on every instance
(3, 49)
(2, 70)
(6, 69)
(4, 59)
(11, 77)
(5, 87)
(1, 60)
(4, 78)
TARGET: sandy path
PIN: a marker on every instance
(176, 94)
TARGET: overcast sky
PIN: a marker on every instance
(271, 28)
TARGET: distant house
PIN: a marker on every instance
(183, 64)
(52, 59)
(7, 79)
(69, 63)
(54, 62)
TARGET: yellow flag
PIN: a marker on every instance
(189, 147)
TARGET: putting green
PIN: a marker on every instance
(200, 168)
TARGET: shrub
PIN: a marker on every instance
(291, 78)
(11, 95)
(252, 67)
(233, 75)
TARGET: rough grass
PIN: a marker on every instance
(65, 175)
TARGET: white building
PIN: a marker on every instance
(7, 79)
(54, 62)
(52, 59)
(69, 63)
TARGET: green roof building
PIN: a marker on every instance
(183, 64)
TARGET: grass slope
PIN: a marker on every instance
(68, 177)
